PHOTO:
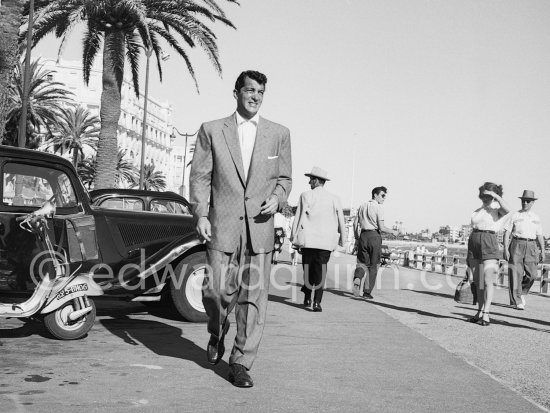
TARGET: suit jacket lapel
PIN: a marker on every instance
(232, 139)
(259, 154)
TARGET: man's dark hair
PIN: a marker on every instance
(252, 74)
(378, 189)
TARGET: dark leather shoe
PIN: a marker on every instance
(216, 348)
(367, 296)
(317, 307)
(238, 376)
(307, 302)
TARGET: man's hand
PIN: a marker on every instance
(270, 206)
(203, 228)
(542, 256)
(506, 254)
(341, 241)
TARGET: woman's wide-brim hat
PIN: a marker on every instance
(527, 194)
(317, 172)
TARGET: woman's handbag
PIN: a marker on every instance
(466, 292)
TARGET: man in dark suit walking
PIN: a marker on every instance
(240, 176)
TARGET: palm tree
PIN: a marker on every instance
(125, 28)
(77, 129)
(46, 100)
(153, 180)
(126, 172)
(12, 11)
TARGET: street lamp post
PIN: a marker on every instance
(148, 52)
(26, 80)
(187, 135)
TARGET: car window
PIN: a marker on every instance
(31, 185)
(132, 204)
(165, 206)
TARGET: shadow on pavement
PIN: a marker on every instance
(286, 301)
(530, 320)
(429, 293)
(108, 306)
(145, 332)
(30, 328)
(498, 321)
(410, 310)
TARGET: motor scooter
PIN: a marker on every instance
(60, 298)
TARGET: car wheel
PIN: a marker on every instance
(186, 287)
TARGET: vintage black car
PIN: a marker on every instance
(133, 254)
(141, 200)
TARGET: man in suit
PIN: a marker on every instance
(240, 177)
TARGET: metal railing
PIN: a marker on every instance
(456, 265)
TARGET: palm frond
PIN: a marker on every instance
(175, 45)
(91, 44)
(133, 50)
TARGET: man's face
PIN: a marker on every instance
(526, 204)
(249, 98)
(380, 197)
(313, 182)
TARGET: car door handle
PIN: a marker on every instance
(133, 253)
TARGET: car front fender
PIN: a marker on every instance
(132, 276)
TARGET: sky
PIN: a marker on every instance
(429, 98)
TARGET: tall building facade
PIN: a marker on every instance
(159, 135)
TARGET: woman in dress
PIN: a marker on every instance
(483, 250)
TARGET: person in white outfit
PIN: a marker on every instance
(318, 228)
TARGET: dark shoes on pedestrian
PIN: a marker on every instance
(317, 307)
(238, 376)
(484, 322)
(368, 296)
(307, 302)
(474, 319)
(216, 348)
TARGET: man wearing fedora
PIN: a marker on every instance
(368, 226)
(521, 252)
(319, 220)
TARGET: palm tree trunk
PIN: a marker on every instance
(11, 12)
(107, 147)
(75, 157)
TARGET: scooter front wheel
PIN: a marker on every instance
(60, 325)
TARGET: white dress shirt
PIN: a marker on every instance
(247, 137)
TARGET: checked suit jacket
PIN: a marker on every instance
(218, 189)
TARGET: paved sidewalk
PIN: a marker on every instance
(354, 356)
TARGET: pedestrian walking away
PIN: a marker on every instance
(483, 251)
(523, 231)
(240, 176)
(368, 226)
(317, 230)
